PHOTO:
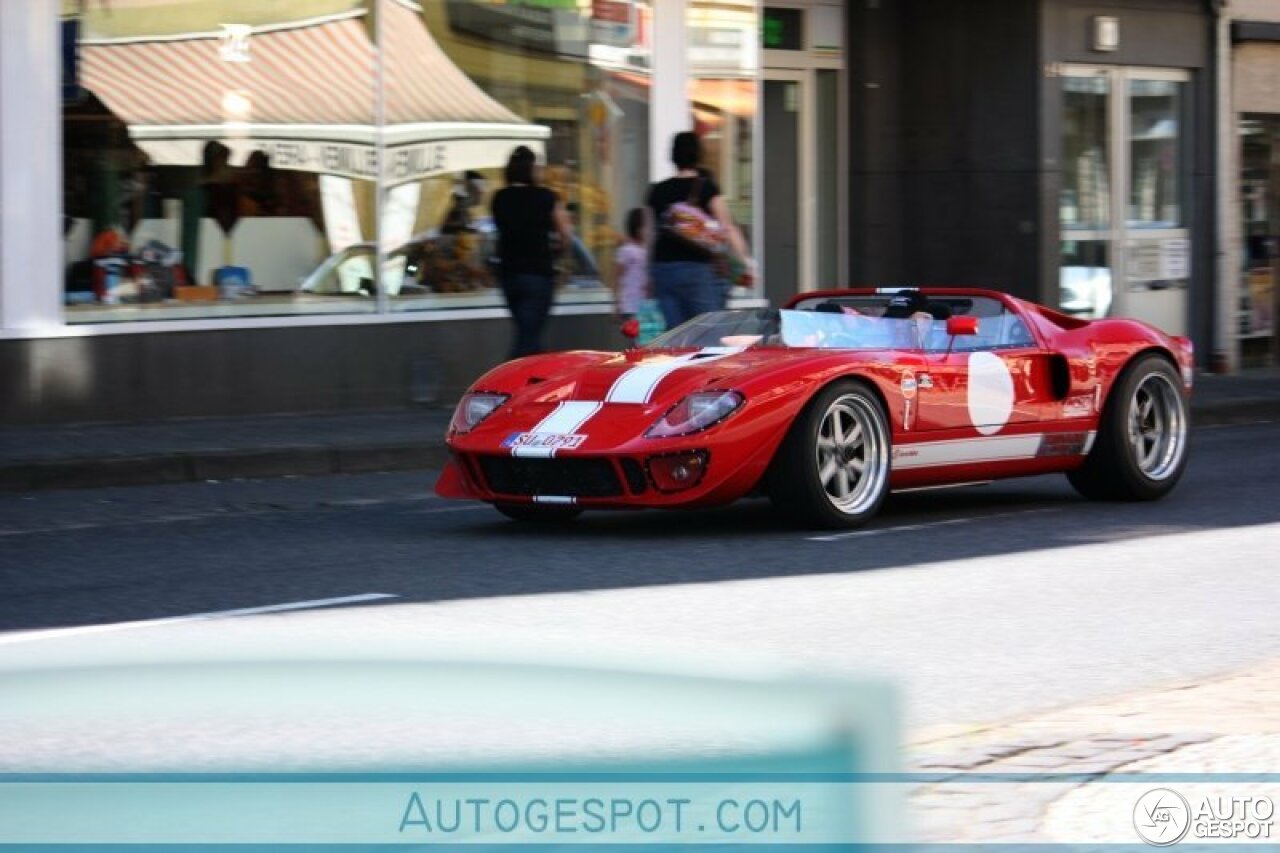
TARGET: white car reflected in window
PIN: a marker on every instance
(1085, 291)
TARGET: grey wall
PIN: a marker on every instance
(954, 135)
(944, 143)
(139, 377)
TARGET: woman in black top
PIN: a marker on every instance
(526, 215)
(685, 282)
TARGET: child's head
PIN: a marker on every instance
(635, 224)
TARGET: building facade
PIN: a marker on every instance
(283, 207)
(1252, 218)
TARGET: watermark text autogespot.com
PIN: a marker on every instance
(432, 816)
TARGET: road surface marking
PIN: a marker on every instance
(853, 534)
(467, 508)
(53, 633)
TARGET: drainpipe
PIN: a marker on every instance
(1226, 341)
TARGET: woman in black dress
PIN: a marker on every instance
(526, 216)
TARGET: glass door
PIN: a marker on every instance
(1125, 245)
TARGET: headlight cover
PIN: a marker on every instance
(695, 413)
(473, 408)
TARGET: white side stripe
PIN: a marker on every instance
(564, 419)
(638, 384)
(965, 450)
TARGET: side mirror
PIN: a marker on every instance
(957, 326)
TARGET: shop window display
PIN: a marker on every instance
(574, 78)
(224, 158)
(1260, 255)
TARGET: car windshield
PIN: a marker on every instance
(796, 329)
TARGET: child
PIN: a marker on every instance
(631, 277)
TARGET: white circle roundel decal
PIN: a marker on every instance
(990, 392)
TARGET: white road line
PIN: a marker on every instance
(52, 633)
(467, 508)
(854, 534)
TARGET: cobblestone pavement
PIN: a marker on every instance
(1227, 725)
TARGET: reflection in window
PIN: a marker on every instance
(1260, 197)
(1084, 278)
(1085, 201)
(1154, 113)
(572, 83)
(196, 149)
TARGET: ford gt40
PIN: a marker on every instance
(826, 406)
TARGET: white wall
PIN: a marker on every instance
(669, 110)
(30, 165)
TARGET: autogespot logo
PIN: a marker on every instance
(1162, 817)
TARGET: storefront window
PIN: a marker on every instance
(1154, 119)
(723, 61)
(1260, 196)
(1085, 202)
(219, 159)
(225, 158)
(567, 80)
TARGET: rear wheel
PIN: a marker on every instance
(1141, 447)
(833, 467)
(540, 513)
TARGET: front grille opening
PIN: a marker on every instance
(637, 482)
(576, 478)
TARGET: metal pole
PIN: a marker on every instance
(379, 154)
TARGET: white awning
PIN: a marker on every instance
(305, 94)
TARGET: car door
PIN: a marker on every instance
(989, 383)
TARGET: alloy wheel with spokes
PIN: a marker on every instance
(1141, 447)
(850, 452)
(833, 468)
(1157, 427)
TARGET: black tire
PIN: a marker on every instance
(540, 513)
(1141, 447)
(823, 479)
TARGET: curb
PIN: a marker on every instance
(311, 460)
(98, 472)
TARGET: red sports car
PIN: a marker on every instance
(826, 406)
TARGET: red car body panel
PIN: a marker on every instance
(941, 432)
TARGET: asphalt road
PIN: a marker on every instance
(982, 603)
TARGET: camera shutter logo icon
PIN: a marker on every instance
(1161, 817)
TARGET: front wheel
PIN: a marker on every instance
(833, 467)
(540, 513)
(1141, 448)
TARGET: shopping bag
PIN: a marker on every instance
(692, 225)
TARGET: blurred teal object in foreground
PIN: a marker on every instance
(652, 323)
(401, 746)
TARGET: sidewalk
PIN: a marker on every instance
(1227, 725)
(82, 456)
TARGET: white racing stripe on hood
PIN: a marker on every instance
(638, 384)
(565, 419)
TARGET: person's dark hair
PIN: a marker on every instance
(520, 166)
(635, 222)
(213, 157)
(904, 303)
(686, 150)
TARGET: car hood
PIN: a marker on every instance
(649, 377)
